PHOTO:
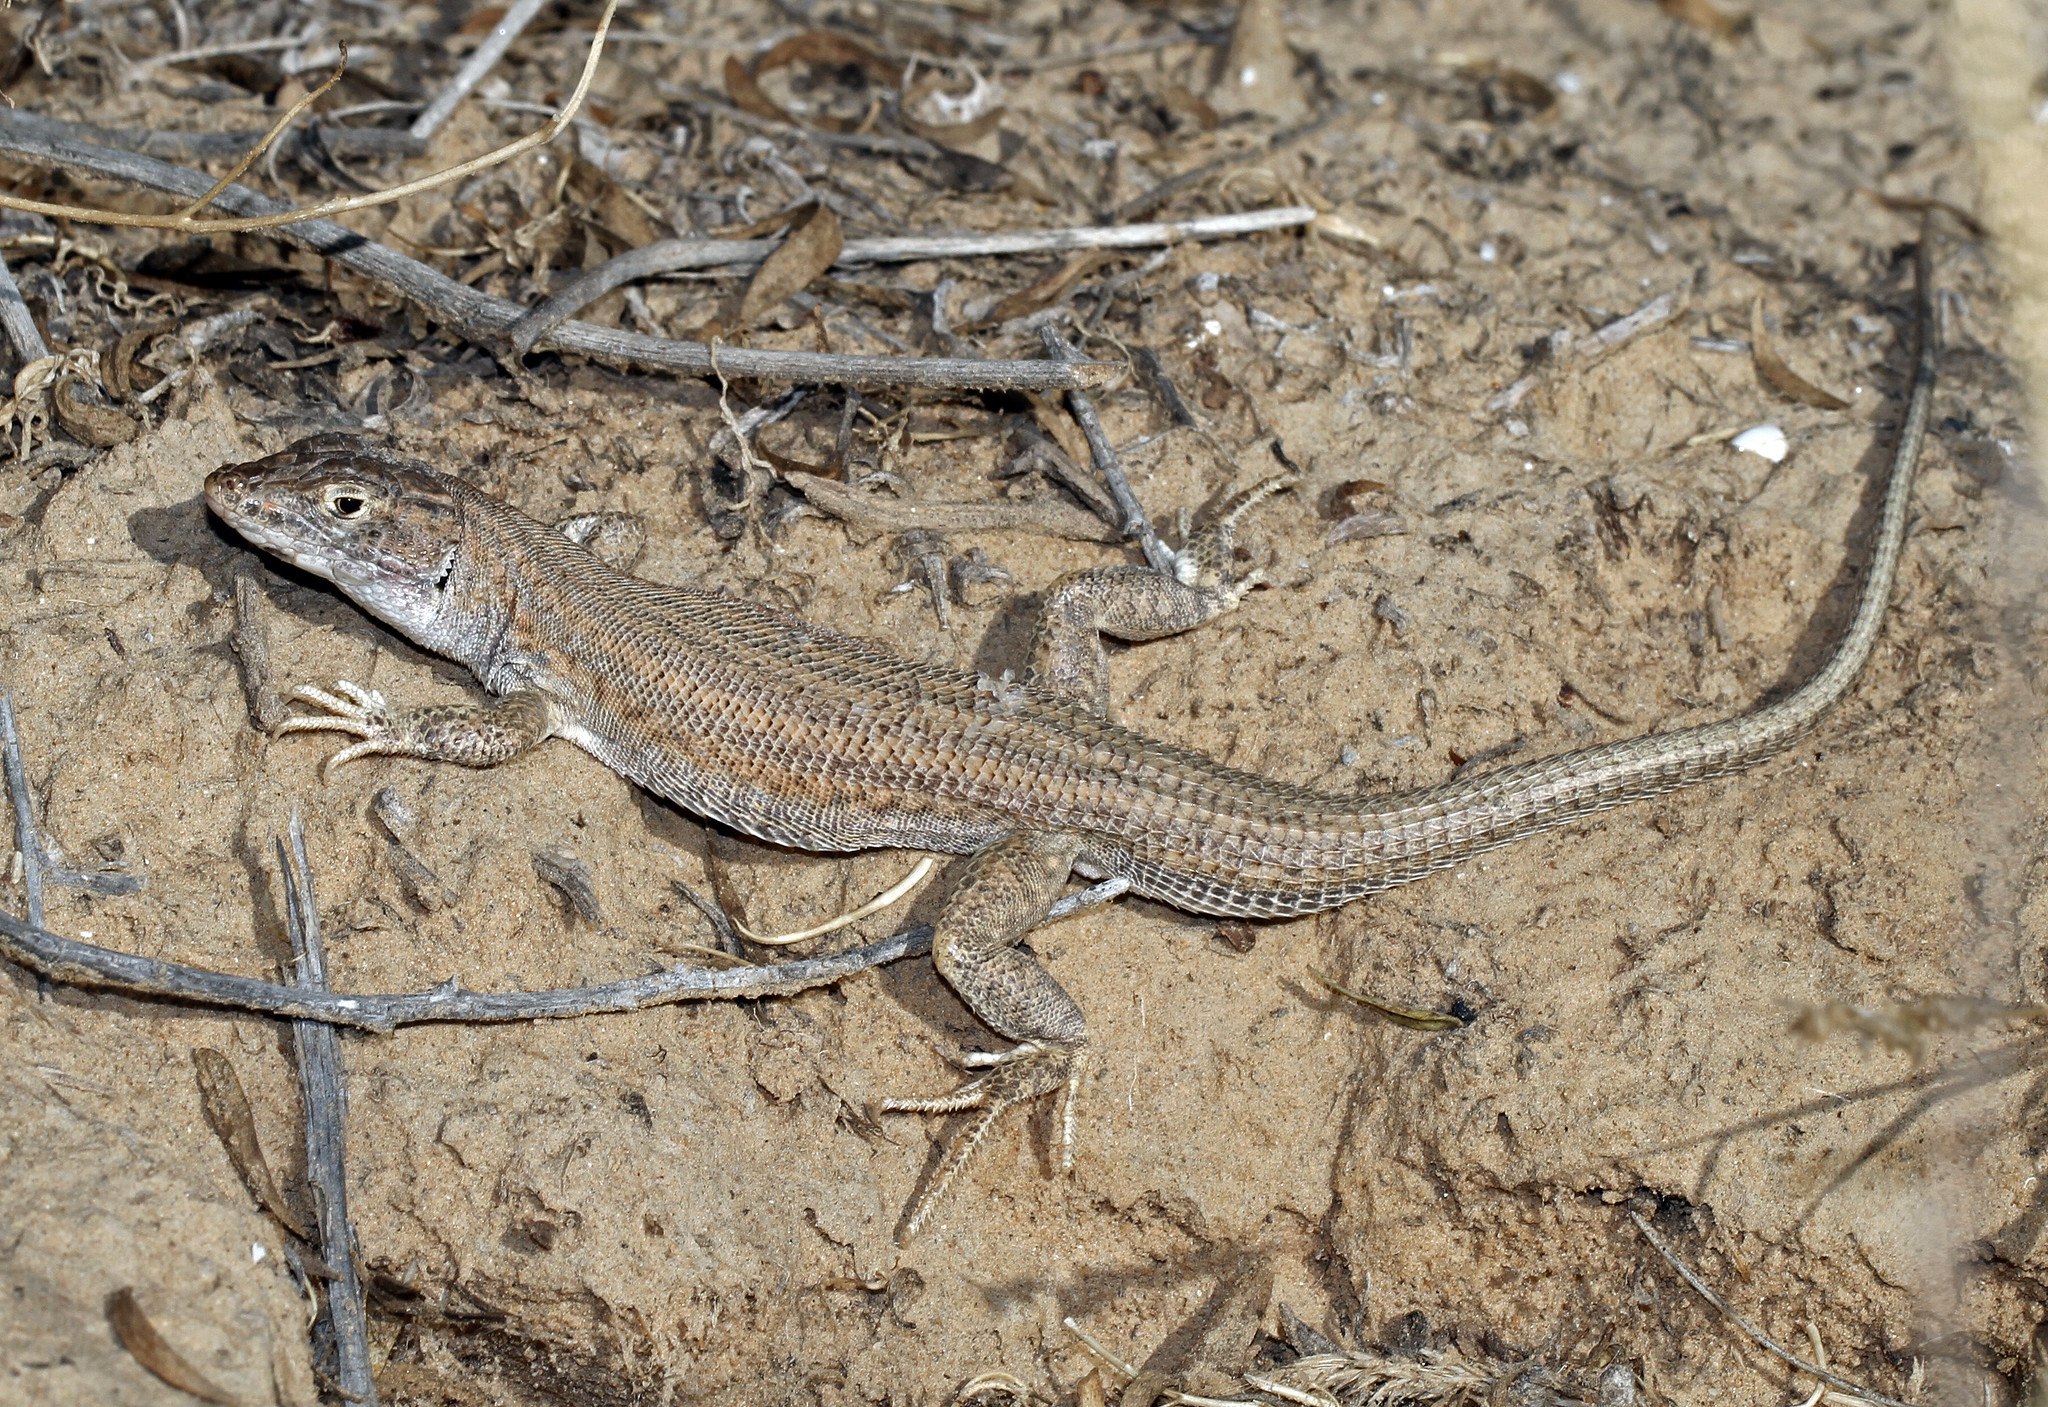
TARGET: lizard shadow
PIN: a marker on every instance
(186, 534)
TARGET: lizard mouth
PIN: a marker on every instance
(238, 505)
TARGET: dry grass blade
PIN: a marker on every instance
(149, 1348)
(226, 1106)
(1774, 373)
(185, 222)
(1414, 1018)
(1762, 1340)
(875, 905)
(277, 130)
(811, 248)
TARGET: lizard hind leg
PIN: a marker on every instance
(1137, 603)
(1003, 891)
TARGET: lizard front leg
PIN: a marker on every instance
(472, 735)
(1137, 603)
(1002, 892)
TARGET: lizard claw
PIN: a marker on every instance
(362, 712)
(1204, 559)
(1012, 1077)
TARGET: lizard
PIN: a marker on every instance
(788, 731)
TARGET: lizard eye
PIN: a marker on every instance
(346, 501)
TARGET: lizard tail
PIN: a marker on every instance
(1426, 830)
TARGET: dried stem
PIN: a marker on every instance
(517, 17)
(16, 322)
(1763, 1340)
(318, 1047)
(26, 839)
(675, 255)
(277, 130)
(480, 316)
(186, 223)
(1135, 523)
(85, 965)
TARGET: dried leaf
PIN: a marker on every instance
(147, 1347)
(87, 417)
(1045, 290)
(748, 96)
(816, 46)
(1703, 14)
(122, 368)
(1373, 522)
(227, 1111)
(482, 22)
(1772, 371)
(1257, 71)
(1342, 501)
(814, 243)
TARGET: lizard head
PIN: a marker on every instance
(385, 530)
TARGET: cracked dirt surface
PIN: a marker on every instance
(698, 1202)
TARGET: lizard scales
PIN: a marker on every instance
(800, 735)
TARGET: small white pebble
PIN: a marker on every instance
(257, 1255)
(1765, 441)
(1568, 83)
(1248, 76)
(1212, 327)
(1488, 252)
(85, 933)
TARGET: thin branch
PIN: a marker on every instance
(37, 866)
(480, 316)
(1135, 523)
(319, 1059)
(189, 224)
(17, 323)
(26, 838)
(84, 965)
(1140, 206)
(206, 146)
(676, 255)
(277, 130)
(1763, 1340)
(479, 63)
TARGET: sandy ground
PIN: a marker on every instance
(699, 1203)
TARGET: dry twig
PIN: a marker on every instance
(1135, 522)
(187, 220)
(85, 965)
(1762, 1340)
(481, 61)
(484, 318)
(319, 1059)
(669, 256)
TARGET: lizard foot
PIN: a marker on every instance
(1204, 560)
(1013, 1077)
(352, 709)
